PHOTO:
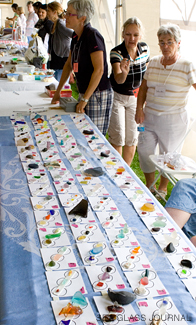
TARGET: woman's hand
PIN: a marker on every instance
(56, 98)
(80, 107)
(124, 66)
(139, 116)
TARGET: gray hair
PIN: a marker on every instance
(83, 8)
(170, 29)
(134, 21)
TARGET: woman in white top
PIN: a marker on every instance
(21, 21)
(164, 93)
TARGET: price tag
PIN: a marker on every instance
(171, 229)
(109, 259)
(72, 264)
(89, 323)
(162, 292)
(133, 320)
(120, 286)
(91, 220)
(186, 249)
(58, 224)
(55, 207)
(159, 214)
(137, 188)
(74, 225)
(146, 266)
(112, 208)
(134, 243)
(149, 200)
(42, 229)
(143, 303)
(50, 193)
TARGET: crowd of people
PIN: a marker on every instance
(152, 92)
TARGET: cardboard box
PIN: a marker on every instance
(64, 92)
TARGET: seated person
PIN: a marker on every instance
(182, 206)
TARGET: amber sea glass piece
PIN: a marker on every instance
(148, 207)
(71, 310)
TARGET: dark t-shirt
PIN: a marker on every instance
(89, 42)
(137, 67)
(45, 28)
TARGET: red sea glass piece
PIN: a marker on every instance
(144, 281)
(115, 309)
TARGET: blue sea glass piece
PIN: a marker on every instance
(65, 322)
(79, 299)
(121, 234)
(52, 212)
(96, 250)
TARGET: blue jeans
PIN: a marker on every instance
(29, 38)
(58, 74)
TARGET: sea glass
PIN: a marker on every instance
(62, 250)
(159, 224)
(42, 223)
(80, 238)
(97, 249)
(52, 212)
(186, 263)
(57, 257)
(109, 318)
(51, 263)
(104, 276)
(121, 234)
(125, 229)
(47, 217)
(144, 281)
(136, 250)
(170, 248)
(121, 297)
(58, 231)
(50, 236)
(140, 290)
(48, 242)
(64, 281)
(81, 209)
(148, 207)
(115, 309)
(78, 299)
(71, 310)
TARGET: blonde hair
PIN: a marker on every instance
(134, 21)
(56, 6)
(20, 10)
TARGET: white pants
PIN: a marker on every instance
(123, 128)
(165, 130)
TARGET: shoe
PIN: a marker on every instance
(162, 193)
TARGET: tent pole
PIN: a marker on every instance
(118, 22)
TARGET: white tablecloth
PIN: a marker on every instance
(36, 85)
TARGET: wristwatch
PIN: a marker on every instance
(84, 100)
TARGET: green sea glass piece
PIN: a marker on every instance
(62, 249)
(49, 236)
(184, 272)
(48, 242)
(159, 224)
(121, 234)
(51, 263)
(125, 229)
(79, 300)
(57, 231)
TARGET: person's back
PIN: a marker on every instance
(31, 20)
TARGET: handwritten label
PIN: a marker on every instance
(72, 264)
(120, 286)
(149, 200)
(42, 229)
(57, 182)
(112, 208)
(121, 224)
(49, 193)
(63, 168)
(171, 229)
(137, 188)
(89, 323)
(91, 220)
(109, 259)
(143, 303)
(146, 266)
(186, 249)
(159, 214)
(55, 207)
(58, 224)
(162, 292)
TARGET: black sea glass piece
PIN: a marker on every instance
(122, 297)
(88, 132)
(103, 154)
(186, 263)
(94, 172)
(81, 209)
(170, 248)
(33, 166)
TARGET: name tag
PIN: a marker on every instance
(160, 91)
(75, 67)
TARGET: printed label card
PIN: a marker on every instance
(30, 155)
(49, 218)
(158, 225)
(53, 237)
(24, 142)
(95, 142)
(80, 165)
(37, 178)
(87, 316)
(103, 277)
(127, 183)
(60, 175)
(87, 180)
(44, 203)
(87, 233)
(111, 219)
(22, 135)
(44, 140)
(39, 135)
(122, 237)
(136, 194)
(68, 186)
(33, 166)
(46, 145)
(132, 259)
(95, 253)
(55, 164)
(146, 286)
(78, 118)
(65, 283)
(152, 309)
(70, 200)
(147, 207)
(48, 150)
(95, 190)
(41, 190)
(172, 244)
(102, 203)
(117, 174)
(58, 258)
(20, 127)
(77, 219)
(184, 264)
(48, 157)
(125, 316)
(27, 150)
(15, 117)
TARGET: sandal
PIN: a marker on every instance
(162, 193)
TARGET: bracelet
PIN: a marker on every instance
(84, 100)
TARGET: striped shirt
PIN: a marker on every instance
(177, 79)
(137, 67)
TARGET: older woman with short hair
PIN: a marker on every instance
(87, 58)
(162, 102)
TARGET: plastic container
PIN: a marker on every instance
(25, 68)
(26, 77)
(141, 128)
(68, 104)
(12, 76)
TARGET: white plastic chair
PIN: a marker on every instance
(173, 175)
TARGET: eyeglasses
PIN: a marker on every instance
(69, 14)
(169, 43)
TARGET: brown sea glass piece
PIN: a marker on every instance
(115, 309)
(71, 310)
(81, 209)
